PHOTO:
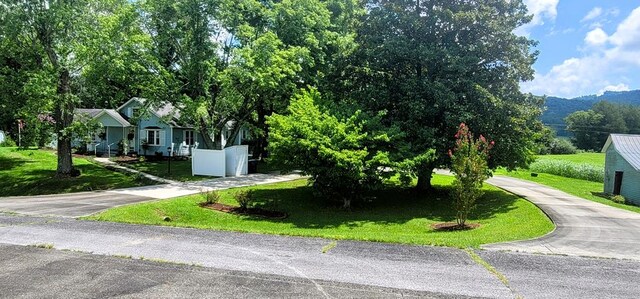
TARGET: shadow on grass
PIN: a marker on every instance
(44, 181)
(394, 205)
(9, 163)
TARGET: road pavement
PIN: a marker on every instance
(30, 272)
(308, 266)
(583, 227)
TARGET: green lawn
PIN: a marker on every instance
(395, 215)
(580, 188)
(180, 169)
(32, 172)
(595, 159)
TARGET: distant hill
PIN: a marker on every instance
(558, 108)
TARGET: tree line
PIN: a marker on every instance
(385, 83)
(591, 127)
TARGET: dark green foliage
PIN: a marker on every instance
(332, 151)
(560, 146)
(427, 70)
(592, 127)
(8, 142)
(557, 109)
(586, 128)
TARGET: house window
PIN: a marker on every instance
(189, 137)
(153, 137)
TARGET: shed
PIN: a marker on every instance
(622, 166)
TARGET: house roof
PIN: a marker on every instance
(95, 113)
(89, 112)
(165, 111)
(628, 146)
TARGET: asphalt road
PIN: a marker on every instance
(30, 272)
(280, 266)
(583, 227)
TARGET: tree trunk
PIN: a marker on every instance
(206, 135)
(346, 204)
(261, 142)
(424, 181)
(64, 118)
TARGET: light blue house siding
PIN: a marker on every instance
(162, 132)
(630, 183)
(157, 129)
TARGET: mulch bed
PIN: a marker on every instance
(452, 226)
(248, 212)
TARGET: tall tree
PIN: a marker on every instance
(64, 37)
(430, 65)
(586, 127)
(55, 31)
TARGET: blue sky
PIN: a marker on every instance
(586, 46)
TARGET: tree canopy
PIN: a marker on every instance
(413, 69)
(429, 65)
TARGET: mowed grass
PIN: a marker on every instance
(395, 215)
(32, 172)
(580, 188)
(180, 169)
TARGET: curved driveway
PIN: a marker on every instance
(583, 228)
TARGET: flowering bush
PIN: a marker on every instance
(469, 164)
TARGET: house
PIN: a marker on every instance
(147, 133)
(622, 166)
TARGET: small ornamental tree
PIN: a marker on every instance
(469, 164)
(330, 150)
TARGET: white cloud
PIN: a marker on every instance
(541, 10)
(568, 78)
(596, 37)
(607, 57)
(619, 87)
(594, 13)
(627, 34)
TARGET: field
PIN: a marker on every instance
(32, 172)
(595, 159)
(393, 215)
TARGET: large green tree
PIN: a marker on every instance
(62, 39)
(235, 62)
(429, 65)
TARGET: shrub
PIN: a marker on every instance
(469, 164)
(618, 199)
(580, 171)
(561, 147)
(211, 197)
(332, 151)
(8, 142)
(244, 198)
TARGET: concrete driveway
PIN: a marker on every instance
(583, 227)
(87, 203)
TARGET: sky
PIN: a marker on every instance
(586, 46)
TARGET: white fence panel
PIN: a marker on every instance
(237, 160)
(208, 162)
